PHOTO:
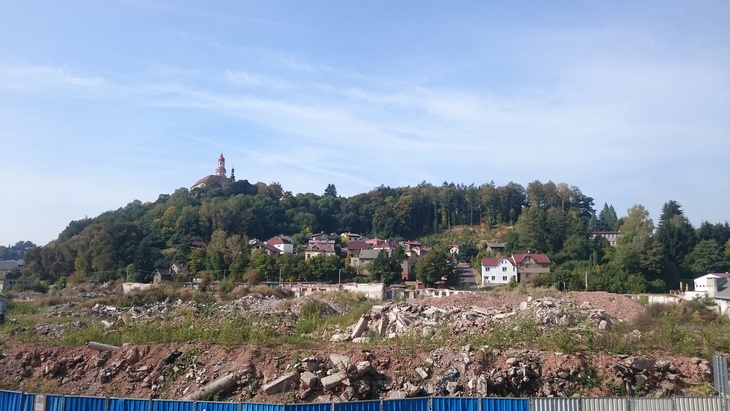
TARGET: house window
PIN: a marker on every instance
(514, 268)
(492, 278)
(504, 268)
(527, 265)
(504, 278)
(487, 269)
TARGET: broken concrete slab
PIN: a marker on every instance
(332, 381)
(342, 362)
(281, 384)
(308, 379)
(361, 326)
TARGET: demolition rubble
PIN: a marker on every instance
(366, 360)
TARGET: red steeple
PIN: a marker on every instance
(221, 169)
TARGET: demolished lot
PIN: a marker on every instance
(472, 344)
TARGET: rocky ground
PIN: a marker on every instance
(360, 361)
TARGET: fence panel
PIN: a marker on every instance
(171, 405)
(216, 406)
(651, 404)
(605, 404)
(309, 407)
(10, 400)
(84, 404)
(53, 402)
(556, 404)
(128, 404)
(505, 404)
(698, 404)
(455, 404)
(28, 402)
(252, 406)
(358, 406)
(409, 404)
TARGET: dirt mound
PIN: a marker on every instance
(384, 354)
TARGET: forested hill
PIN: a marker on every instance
(555, 219)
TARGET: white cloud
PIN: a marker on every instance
(40, 77)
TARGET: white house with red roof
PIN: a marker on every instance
(498, 271)
(374, 241)
(255, 244)
(315, 249)
(520, 267)
(282, 243)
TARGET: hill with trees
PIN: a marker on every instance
(556, 219)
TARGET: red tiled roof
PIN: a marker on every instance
(539, 258)
(320, 247)
(490, 262)
(357, 245)
(278, 240)
(217, 179)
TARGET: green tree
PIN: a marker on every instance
(265, 265)
(198, 260)
(675, 233)
(437, 267)
(323, 268)
(330, 191)
(467, 251)
(705, 257)
(384, 269)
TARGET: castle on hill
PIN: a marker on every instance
(219, 178)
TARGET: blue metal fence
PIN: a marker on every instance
(455, 404)
(10, 400)
(505, 404)
(54, 403)
(128, 404)
(248, 406)
(16, 401)
(408, 404)
(309, 407)
(84, 403)
(27, 402)
(171, 405)
(358, 406)
(216, 406)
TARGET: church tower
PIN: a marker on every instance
(221, 169)
(219, 178)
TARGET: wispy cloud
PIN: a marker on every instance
(39, 77)
(242, 78)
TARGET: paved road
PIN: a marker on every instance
(468, 280)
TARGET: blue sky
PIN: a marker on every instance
(102, 103)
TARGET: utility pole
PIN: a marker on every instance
(586, 280)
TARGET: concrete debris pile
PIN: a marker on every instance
(195, 373)
(334, 378)
(397, 319)
(641, 376)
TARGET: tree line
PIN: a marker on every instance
(556, 219)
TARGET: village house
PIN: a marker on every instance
(255, 244)
(522, 268)
(715, 286)
(284, 244)
(161, 275)
(611, 236)
(349, 237)
(315, 249)
(496, 248)
(498, 271)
